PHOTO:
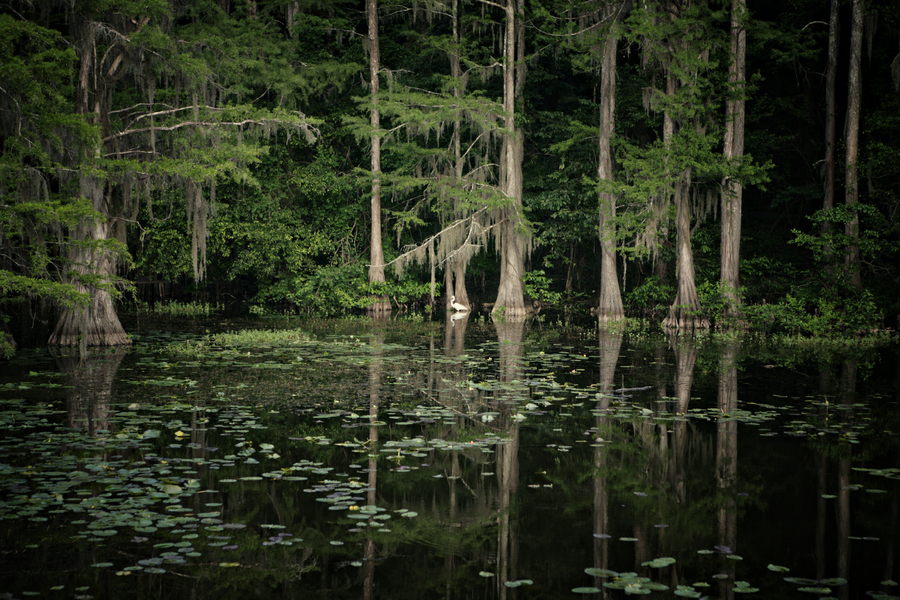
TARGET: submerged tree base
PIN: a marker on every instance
(510, 313)
(381, 307)
(97, 326)
(608, 316)
(683, 319)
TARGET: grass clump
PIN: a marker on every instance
(235, 340)
(178, 309)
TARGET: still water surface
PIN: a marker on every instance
(478, 461)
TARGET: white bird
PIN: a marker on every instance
(457, 306)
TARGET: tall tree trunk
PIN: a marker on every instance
(732, 189)
(97, 324)
(851, 197)
(685, 313)
(511, 294)
(376, 253)
(457, 268)
(830, 123)
(610, 308)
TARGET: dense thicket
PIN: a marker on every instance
(697, 162)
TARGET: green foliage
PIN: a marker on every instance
(178, 309)
(836, 312)
(38, 114)
(827, 244)
(7, 346)
(341, 290)
(537, 286)
(717, 305)
(232, 341)
(40, 138)
(235, 94)
(651, 298)
(164, 250)
(39, 262)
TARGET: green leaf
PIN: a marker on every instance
(593, 572)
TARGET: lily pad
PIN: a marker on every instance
(658, 563)
(593, 572)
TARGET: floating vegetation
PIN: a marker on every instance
(742, 587)
(175, 309)
(275, 455)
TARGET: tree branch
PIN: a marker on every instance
(457, 223)
(494, 4)
(128, 132)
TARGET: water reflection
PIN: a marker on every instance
(510, 337)
(89, 382)
(455, 463)
(685, 358)
(727, 460)
(610, 344)
(369, 553)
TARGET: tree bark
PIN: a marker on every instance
(610, 307)
(97, 324)
(459, 282)
(510, 301)
(685, 313)
(851, 194)
(376, 252)
(732, 189)
(830, 123)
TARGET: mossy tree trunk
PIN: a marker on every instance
(510, 301)
(732, 188)
(830, 185)
(376, 253)
(685, 314)
(610, 307)
(851, 138)
(92, 270)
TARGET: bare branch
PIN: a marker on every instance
(130, 108)
(160, 113)
(128, 132)
(494, 4)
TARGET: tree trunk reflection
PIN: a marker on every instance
(509, 336)
(89, 381)
(610, 343)
(726, 457)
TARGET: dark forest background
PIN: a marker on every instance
(223, 151)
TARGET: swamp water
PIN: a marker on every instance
(505, 461)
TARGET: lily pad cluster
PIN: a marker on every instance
(223, 448)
